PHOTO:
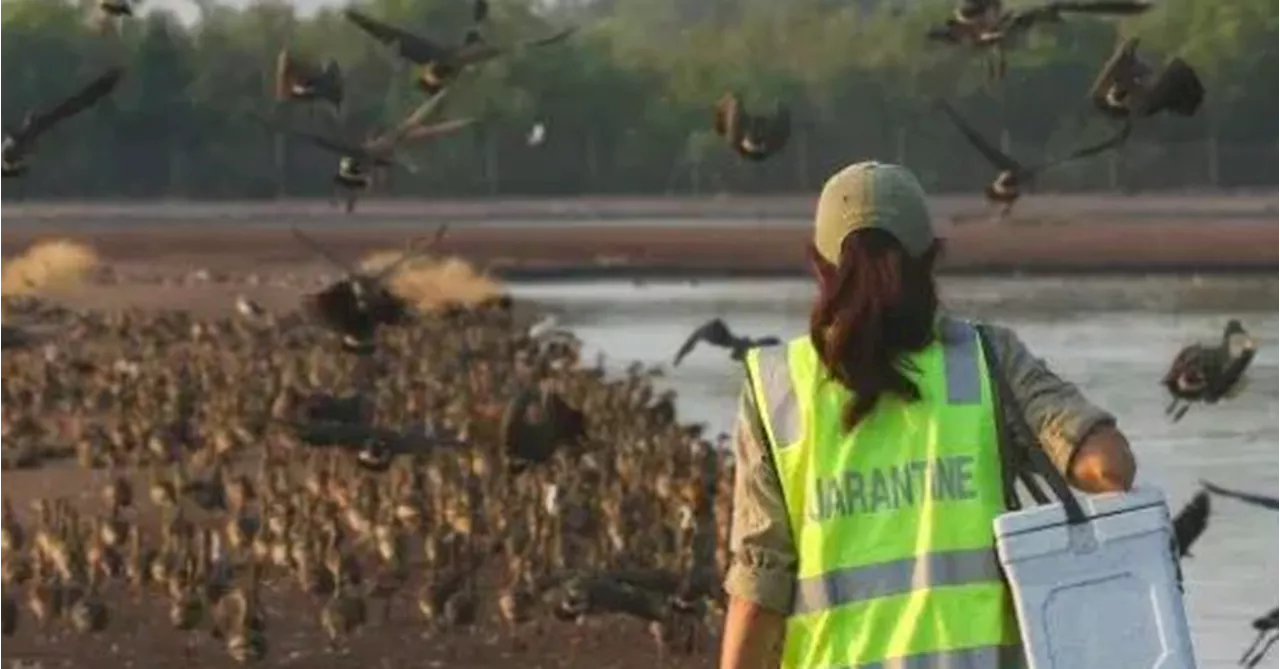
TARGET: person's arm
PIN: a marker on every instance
(1081, 439)
(761, 578)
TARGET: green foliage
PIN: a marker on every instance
(627, 100)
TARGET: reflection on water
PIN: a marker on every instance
(1113, 337)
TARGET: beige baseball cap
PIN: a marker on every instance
(872, 195)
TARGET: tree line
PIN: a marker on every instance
(627, 100)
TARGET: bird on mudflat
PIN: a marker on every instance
(249, 309)
(1265, 626)
(716, 333)
(1129, 87)
(19, 142)
(1007, 186)
(988, 26)
(1263, 501)
(1191, 522)
(753, 136)
(1207, 373)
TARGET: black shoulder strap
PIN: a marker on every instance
(1019, 462)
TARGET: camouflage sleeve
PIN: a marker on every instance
(763, 568)
(1055, 409)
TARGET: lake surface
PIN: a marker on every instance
(1113, 337)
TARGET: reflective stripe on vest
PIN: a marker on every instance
(892, 521)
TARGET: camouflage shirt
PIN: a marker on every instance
(764, 558)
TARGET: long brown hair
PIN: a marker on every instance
(877, 305)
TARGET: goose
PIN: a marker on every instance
(440, 64)
(360, 164)
(1208, 373)
(1007, 186)
(716, 333)
(753, 136)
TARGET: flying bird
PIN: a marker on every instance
(1129, 87)
(537, 135)
(20, 142)
(442, 64)
(1207, 373)
(305, 81)
(1007, 186)
(716, 333)
(1246, 497)
(116, 8)
(356, 305)
(362, 163)
(753, 136)
(986, 25)
(1265, 626)
(1191, 522)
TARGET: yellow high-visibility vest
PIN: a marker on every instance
(892, 521)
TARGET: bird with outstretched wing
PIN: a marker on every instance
(1129, 88)
(716, 333)
(752, 136)
(20, 141)
(1263, 501)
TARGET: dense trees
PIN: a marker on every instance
(627, 100)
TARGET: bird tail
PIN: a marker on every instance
(1178, 89)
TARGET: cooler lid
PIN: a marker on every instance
(1033, 518)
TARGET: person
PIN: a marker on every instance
(868, 469)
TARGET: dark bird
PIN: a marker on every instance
(304, 81)
(986, 25)
(362, 163)
(1207, 373)
(20, 142)
(1007, 186)
(1190, 523)
(479, 11)
(1265, 626)
(752, 136)
(536, 423)
(442, 64)
(1130, 88)
(357, 304)
(116, 8)
(1246, 497)
(716, 333)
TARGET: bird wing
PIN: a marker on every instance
(1116, 67)
(1086, 151)
(1191, 521)
(412, 47)
(436, 129)
(479, 11)
(1248, 498)
(549, 39)
(388, 140)
(980, 143)
(338, 146)
(95, 90)
(477, 51)
(713, 331)
(1117, 7)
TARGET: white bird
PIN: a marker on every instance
(248, 308)
(537, 134)
(544, 326)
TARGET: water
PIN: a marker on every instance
(1113, 337)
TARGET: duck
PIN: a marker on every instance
(1006, 189)
(1208, 373)
(440, 65)
(20, 142)
(754, 137)
(1130, 88)
(301, 80)
(716, 333)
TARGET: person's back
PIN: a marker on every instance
(868, 466)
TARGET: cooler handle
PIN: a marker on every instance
(1023, 462)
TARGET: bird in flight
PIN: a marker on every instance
(1007, 186)
(19, 142)
(753, 136)
(716, 333)
(1207, 373)
(1129, 87)
(304, 81)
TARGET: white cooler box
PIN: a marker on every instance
(1101, 595)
